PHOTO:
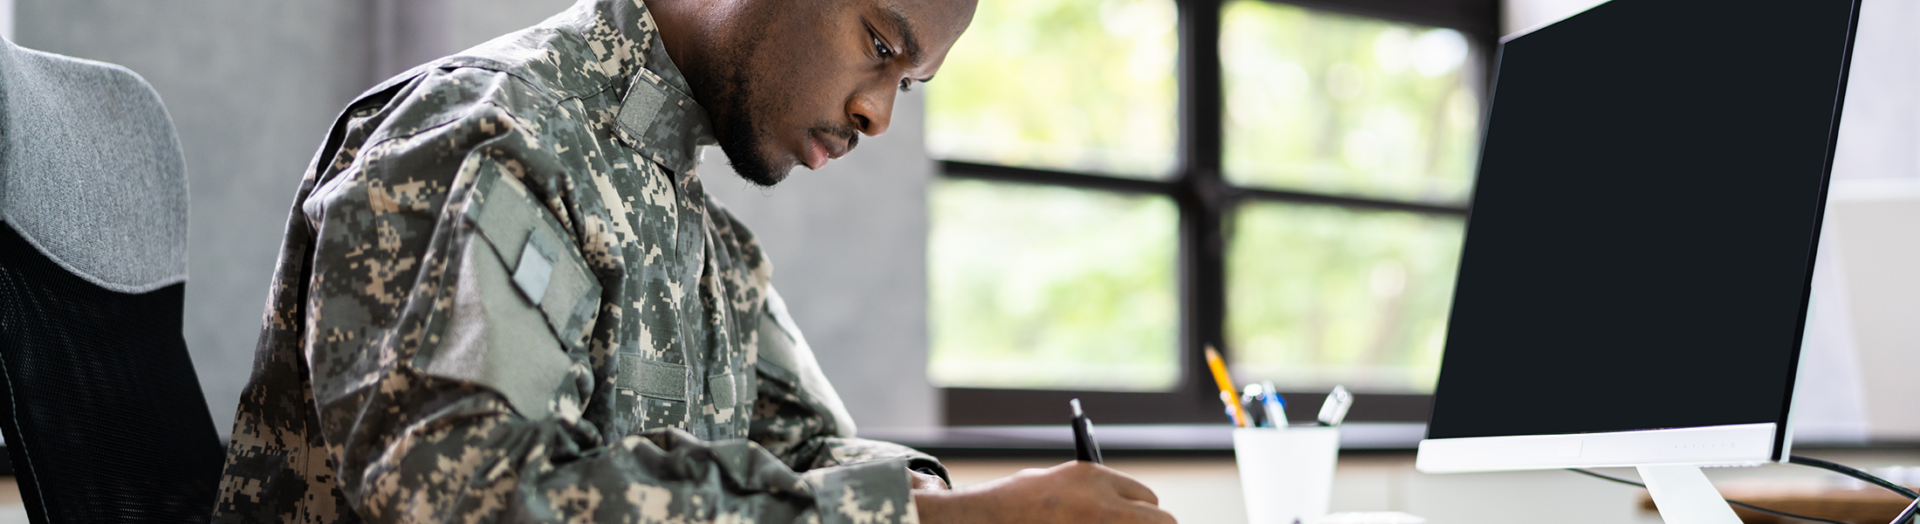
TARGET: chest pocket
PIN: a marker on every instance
(658, 394)
(652, 390)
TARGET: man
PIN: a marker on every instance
(505, 297)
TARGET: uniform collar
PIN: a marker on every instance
(657, 115)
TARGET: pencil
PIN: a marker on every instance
(1225, 382)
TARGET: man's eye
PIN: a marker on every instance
(880, 48)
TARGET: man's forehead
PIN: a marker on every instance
(929, 28)
(937, 22)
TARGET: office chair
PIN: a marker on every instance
(103, 416)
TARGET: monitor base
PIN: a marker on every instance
(1685, 496)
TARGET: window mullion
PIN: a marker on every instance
(1202, 195)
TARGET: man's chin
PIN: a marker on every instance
(772, 177)
(761, 179)
(754, 166)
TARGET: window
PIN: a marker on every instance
(1128, 181)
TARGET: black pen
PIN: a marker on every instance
(1083, 445)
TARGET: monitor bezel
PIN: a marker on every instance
(1729, 445)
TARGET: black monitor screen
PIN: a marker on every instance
(1640, 245)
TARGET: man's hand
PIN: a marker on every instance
(1073, 492)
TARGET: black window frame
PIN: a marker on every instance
(1204, 199)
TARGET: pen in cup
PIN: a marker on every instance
(1334, 410)
(1264, 406)
(1276, 407)
(1250, 404)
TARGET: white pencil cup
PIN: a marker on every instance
(1286, 474)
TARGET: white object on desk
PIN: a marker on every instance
(1286, 475)
(1685, 496)
(1369, 517)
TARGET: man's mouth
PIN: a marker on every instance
(815, 155)
(823, 146)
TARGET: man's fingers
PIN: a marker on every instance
(1132, 489)
(1144, 512)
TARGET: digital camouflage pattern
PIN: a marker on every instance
(504, 297)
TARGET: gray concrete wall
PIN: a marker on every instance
(481, 20)
(253, 85)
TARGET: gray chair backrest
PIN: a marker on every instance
(91, 170)
(103, 415)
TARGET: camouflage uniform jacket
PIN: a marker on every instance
(503, 296)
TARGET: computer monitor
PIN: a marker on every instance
(1634, 279)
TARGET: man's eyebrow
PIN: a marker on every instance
(908, 42)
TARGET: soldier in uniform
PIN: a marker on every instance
(503, 295)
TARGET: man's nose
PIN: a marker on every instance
(872, 110)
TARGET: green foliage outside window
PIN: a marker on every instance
(1329, 103)
(1323, 295)
(1075, 85)
(1050, 287)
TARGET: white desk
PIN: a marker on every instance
(1207, 490)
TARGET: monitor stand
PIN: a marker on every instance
(1684, 496)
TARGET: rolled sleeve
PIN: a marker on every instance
(875, 492)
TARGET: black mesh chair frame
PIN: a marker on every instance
(103, 415)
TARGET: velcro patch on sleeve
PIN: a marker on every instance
(546, 267)
(533, 274)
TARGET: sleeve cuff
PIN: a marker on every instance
(927, 464)
(858, 450)
(875, 492)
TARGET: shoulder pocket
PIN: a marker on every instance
(546, 267)
(517, 275)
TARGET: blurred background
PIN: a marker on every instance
(1090, 192)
